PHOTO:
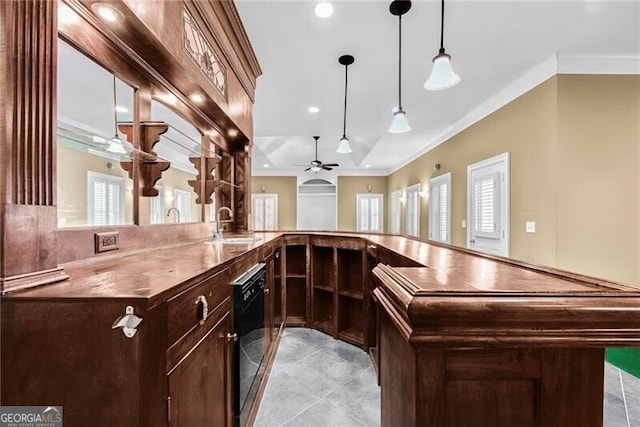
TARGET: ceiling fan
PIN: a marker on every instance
(316, 165)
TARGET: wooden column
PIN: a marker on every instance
(28, 218)
(242, 180)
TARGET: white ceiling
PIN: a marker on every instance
(491, 43)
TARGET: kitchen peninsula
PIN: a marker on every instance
(461, 337)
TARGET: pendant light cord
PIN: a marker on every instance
(344, 121)
(399, 62)
(442, 28)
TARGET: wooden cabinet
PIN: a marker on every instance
(323, 292)
(175, 371)
(200, 385)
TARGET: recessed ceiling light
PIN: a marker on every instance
(169, 98)
(196, 97)
(367, 165)
(107, 12)
(266, 165)
(232, 133)
(66, 15)
(121, 109)
(324, 10)
(313, 109)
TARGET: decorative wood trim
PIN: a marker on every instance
(30, 280)
(29, 96)
(204, 185)
(150, 170)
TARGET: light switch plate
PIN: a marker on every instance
(531, 226)
(464, 223)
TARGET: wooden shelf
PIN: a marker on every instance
(296, 276)
(352, 294)
(296, 321)
(323, 288)
(324, 325)
(352, 335)
(373, 354)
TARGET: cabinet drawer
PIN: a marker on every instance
(184, 311)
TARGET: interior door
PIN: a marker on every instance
(199, 387)
(488, 205)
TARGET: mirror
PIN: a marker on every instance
(92, 187)
(176, 201)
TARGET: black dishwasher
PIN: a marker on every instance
(248, 318)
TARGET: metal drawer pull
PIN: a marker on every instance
(231, 337)
(129, 322)
(266, 291)
(203, 308)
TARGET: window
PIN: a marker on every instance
(157, 207)
(106, 199)
(265, 211)
(486, 214)
(395, 211)
(183, 204)
(369, 212)
(413, 210)
(440, 208)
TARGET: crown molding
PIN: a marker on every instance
(598, 64)
(552, 65)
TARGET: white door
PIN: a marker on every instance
(488, 205)
(265, 211)
(369, 212)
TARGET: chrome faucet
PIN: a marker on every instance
(177, 213)
(217, 236)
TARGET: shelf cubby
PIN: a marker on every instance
(351, 320)
(296, 300)
(350, 269)
(323, 267)
(296, 260)
(323, 310)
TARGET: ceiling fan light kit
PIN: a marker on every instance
(400, 123)
(316, 165)
(442, 74)
(344, 147)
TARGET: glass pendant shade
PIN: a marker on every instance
(400, 123)
(442, 74)
(115, 146)
(316, 169)
(344, 147)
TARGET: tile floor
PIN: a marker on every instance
(319, 381)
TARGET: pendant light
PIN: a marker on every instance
(344, 147)
(442, 74)
(400, 123)
(115, 144)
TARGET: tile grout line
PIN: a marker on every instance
(347, 414)
(624, 398)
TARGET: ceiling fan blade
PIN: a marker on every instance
(307, 169)
(331, 164)
(325, 167)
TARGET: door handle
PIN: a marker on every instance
(473, 242)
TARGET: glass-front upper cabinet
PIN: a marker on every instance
(176, 199)
(93, 189)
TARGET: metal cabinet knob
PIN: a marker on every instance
(266, 291)
(232, 337)
(203, 308)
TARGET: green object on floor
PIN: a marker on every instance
(627, 359)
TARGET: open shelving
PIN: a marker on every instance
(350, 268)
(351, 320)
(296, 284)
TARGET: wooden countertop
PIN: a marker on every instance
(448, 270)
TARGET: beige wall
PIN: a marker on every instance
(574, 146)
(73, 166)
(348, 188)
(285, 188)
(171, 180)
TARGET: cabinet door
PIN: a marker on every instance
(269, 295)
(200, 386)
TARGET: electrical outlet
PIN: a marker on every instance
(531, 227)
(463, 224)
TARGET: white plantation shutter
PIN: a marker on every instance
(369, 212)
(413, 210)
(105, 199)
(183, 204)
(440, 208)
(395, 211)
(486, 209)
(265, 211)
